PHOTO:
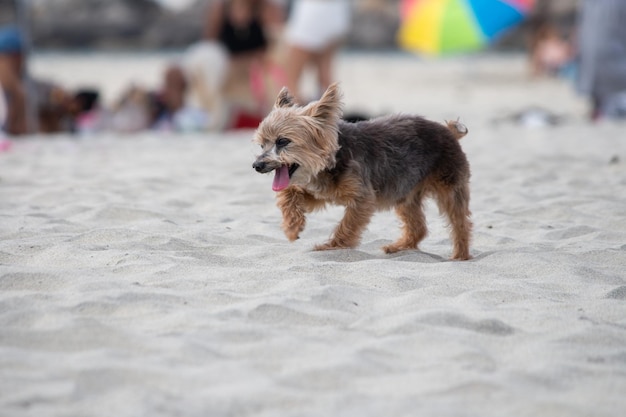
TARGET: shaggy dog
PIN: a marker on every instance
(388, 162)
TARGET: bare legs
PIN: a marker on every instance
(298, 60)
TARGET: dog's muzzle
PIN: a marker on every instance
(262, 167)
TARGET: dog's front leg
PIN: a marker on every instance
(291, 204)
(294, 204)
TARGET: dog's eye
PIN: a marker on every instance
(282, 142)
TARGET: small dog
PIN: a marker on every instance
(387, 162)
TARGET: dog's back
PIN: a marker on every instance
(395, 153)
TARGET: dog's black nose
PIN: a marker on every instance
(259, 166)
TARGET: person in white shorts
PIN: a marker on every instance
(314, 32)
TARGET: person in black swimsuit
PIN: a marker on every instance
(246, 29)
(248, 37)
(229, 73)
(243, 27)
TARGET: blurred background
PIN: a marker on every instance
(163, 24)
(85, 66)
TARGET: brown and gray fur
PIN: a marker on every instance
(389, 162)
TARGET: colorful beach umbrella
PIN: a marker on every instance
(445, 26)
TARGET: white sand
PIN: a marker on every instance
(148, 276)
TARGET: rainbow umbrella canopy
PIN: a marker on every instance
(447, 26)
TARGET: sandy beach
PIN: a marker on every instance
(147, 275)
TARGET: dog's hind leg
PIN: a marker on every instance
(454, 202)
(414, 228)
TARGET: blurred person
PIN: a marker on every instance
(602, 57)
(12, 85)
(550, 54)
(56, 107)
(169, 108)
(315, 30)
(89, 115)
(162, 109)
(231, 72)
(244, 27)
(5, 144)
(169, 100)
(130, 113)
(3, 109)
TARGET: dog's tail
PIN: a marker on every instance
(457, 128)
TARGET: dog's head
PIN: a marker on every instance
(299, 142)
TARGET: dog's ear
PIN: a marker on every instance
(284, 99)
(328, 107)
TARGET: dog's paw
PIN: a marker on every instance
(388, 249)
(323, 246)
(461, 257)
(330, 245)
(292, 227)
(292, 230)
(292, 235)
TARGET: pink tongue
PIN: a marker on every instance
(281, 178)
